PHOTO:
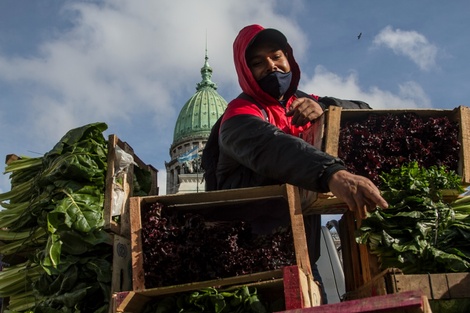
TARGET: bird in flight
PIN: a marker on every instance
(359, 36)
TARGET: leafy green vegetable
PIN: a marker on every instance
(243, 299)
(58, 199)
(419, 232)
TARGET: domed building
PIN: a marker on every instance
(192, 128)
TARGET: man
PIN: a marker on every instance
(259, 133)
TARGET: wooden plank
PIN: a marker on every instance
(133, 302)
(403, 302)
(225, 282)
(298, 229)
(351, 256)
(217, 198)
(333, 122)
(116, 300)
(122, 265)
(346, 254)
(300, 291)
(268, 281)
(464, 165)
(138, 274)
(294, 297)
(324, 203)
(459, 285)
(402, 282)
(434, 286)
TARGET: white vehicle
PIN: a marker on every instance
(330, 263)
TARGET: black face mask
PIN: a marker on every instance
(275, 83)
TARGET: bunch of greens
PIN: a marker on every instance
(52, 221)
(243, 299)
(420, 232)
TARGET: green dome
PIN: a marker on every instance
(201, 111)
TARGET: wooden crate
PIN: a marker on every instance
(446, 292)
(116, 213)
(336, 118)
(410, 302)
(230, 204)
(289, 283)
(359, 265)
(433, 286)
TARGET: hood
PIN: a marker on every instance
(246, 80)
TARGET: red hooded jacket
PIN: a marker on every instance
(254, 152)
(275, 111)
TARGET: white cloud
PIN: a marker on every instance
(124, 57)
(325, 83)
(130, 63)
(410, 44)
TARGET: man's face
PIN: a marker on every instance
(265, 58)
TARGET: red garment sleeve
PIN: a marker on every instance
(242, 107)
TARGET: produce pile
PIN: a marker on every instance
(183, 247)
(420, 232)
(382, 142)
(243, 300)
(52, 222)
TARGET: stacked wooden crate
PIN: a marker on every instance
(294, 283)
(116, 213)
(120, 184)
(363, 275)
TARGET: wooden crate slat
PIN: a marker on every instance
(433, 286)
(122, 266)
(459, 285)
(300, 291)
(351, 257)
(332, 130)
(138, 275)
(464, 166)
(404, 302)
(217, 197)
(298, 288)
(298, 229)
(130, 302)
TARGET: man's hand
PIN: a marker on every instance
(304, 110)
(358, 192)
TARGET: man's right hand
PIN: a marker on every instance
(358, 192)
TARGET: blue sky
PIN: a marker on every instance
(134, 63)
